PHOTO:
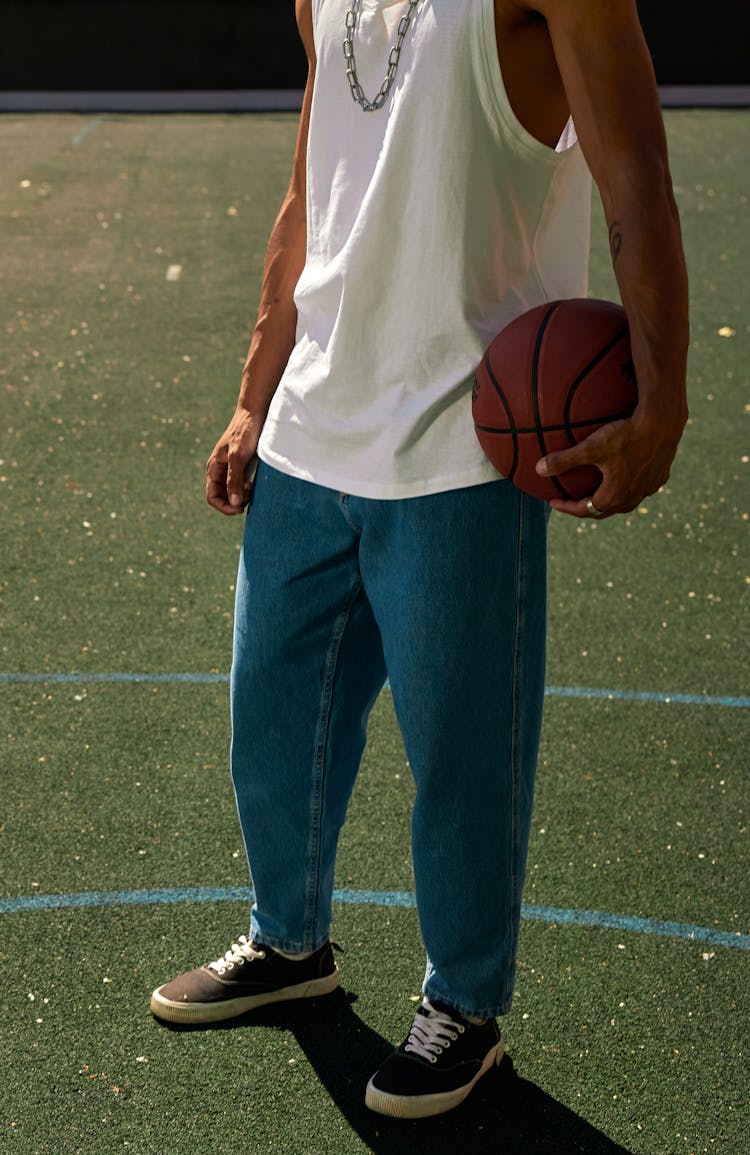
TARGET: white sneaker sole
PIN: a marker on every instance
(177, 1012)
(421, 1106)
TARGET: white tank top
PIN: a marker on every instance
(430, 225)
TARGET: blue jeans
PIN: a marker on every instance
(445, 595)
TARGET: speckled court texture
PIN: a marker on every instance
(132, 249)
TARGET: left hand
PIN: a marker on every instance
(633, 455)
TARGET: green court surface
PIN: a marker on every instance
(132, 249)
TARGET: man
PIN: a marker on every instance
(425, 211)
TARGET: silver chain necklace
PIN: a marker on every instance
(358, 93)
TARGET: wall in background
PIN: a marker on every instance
(163, 45)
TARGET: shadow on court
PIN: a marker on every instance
(505, 1114)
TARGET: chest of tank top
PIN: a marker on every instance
(430, 224)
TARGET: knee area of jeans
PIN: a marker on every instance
(257, 667)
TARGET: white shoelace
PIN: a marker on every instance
(433, 1033)
(242, 951)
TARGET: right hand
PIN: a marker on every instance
(231, 466)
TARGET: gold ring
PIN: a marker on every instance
(594, 512)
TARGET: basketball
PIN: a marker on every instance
(548, 380)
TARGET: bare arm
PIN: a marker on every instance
(611, 89)
(227, 473)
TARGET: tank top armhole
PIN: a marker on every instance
(495, 96)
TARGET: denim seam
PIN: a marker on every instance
(317, 798)
(515, 737)
(344, 507)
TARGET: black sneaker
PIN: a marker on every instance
(435, 1069)
(248, 976)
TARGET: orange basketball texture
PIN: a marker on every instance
(548, 380)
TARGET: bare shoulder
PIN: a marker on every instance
(510, 14)
(530, 72)
(585, 13)
(602, 54)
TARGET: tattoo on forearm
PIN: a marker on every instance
(615, 240)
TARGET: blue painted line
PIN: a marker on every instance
(388, 898)
(632, 923)
(84, 132)
(644, 696)
(198, 679)
(402, 898)
(99, 899)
